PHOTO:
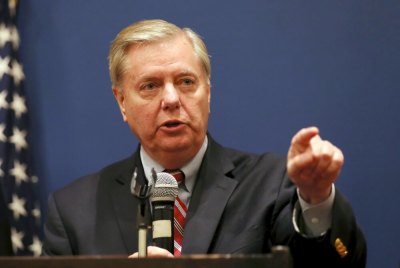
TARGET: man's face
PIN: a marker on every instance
(165, 99)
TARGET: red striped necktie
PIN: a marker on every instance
(180, 210)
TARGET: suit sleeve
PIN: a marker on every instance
(56, 238)
(343, 245)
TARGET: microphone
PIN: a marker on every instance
(142, 189)
(162, 199)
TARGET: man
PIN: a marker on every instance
(237, 202)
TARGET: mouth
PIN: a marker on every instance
(172, 124)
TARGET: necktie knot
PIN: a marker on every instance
(177, 173)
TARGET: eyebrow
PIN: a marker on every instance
(186, 72)
(156, 75)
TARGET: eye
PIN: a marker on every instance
(187, 82)
(149, 86)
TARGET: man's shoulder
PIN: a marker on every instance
(88, 184)
(243, 157)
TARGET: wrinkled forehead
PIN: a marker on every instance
(174, 49)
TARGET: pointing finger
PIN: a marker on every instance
(303, 137)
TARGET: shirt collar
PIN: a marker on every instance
(190, 169)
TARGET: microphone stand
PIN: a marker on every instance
(142, 192)
(142, 226)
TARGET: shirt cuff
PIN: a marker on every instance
(316, 218)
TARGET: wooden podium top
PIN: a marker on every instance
(279, 259)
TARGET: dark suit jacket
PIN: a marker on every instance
(241, 203)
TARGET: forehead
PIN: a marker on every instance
(165, 55)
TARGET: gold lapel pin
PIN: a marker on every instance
(341, 248)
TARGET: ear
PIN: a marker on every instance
(209, 97)
(120, 98)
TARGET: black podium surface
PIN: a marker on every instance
(278, 259)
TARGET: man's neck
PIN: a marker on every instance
(174, 159)
(190, 169)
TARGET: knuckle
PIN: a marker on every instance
(337, 162)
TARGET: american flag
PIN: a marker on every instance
(18, 182)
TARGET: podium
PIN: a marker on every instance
(278, 258)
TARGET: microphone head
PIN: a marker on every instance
(165, 188)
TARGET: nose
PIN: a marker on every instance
(170, 97)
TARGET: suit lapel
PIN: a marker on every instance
(125, 204)
(210, 196)
(213, 188)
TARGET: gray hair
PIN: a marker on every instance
(145, 32)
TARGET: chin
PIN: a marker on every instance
(178, 144)
(176, 147)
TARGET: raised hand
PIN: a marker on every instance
(313, 164)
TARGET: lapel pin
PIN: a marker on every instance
(340, 248)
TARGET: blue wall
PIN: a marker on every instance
(277, 66)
